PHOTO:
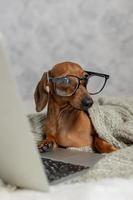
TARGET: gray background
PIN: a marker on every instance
(98, 34)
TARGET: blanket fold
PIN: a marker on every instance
(112, 118)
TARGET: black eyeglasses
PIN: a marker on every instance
(68, 85)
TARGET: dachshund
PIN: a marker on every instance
(68, 123)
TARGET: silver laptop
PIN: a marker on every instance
(20, 161)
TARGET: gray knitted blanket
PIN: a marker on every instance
(112, 118)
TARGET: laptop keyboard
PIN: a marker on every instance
(58, 169)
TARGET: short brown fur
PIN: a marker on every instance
(67, 125)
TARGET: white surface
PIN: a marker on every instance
(108, 189)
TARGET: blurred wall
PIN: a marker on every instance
(98, 34)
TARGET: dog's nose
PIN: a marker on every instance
(87, 103)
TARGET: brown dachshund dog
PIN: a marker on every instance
(68, 123)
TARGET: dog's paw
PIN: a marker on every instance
(103, 147)
(45, 146)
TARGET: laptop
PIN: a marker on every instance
(21, 164)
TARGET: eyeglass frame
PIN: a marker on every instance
(86, 78)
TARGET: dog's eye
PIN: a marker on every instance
(64, 80)
(85, 80)
(86, 76)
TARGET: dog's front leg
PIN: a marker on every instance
(47, 144)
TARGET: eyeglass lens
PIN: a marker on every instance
(95, 84)
(66, 86)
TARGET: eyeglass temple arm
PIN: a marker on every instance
(97, 74)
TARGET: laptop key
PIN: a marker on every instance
(58, 169)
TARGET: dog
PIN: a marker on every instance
(68, 123)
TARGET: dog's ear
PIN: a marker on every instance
(41, 93)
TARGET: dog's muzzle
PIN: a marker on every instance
(87, 102)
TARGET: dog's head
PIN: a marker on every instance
(65, 84)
